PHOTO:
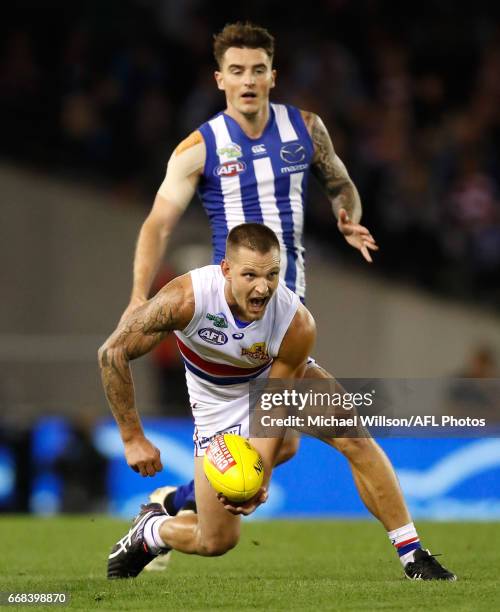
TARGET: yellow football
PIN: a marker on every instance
(233, 467)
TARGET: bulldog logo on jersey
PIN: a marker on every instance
(219, 319)
(258, 350)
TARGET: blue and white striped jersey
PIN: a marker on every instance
(261, 180)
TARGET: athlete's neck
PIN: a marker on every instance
(252, 125)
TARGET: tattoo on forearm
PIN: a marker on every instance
(135, 336)
(330, 171)
(118, 386)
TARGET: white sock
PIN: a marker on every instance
(152, 534)
(406, 541)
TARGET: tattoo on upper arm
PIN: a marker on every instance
(329, 169)
(327, 166)
(137, 335)
(151, 325)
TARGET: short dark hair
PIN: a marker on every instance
(242, 35)
(253, 236)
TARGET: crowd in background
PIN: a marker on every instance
(102, 92)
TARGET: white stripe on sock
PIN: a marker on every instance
(152, 533)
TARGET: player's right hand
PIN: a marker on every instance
(143, 457)
(247, 507)
(358, 236)
(133, 305)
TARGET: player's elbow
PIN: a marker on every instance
(154, 227)
(161, 220)
(108, 354)
(103, 355)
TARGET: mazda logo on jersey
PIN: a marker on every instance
(230, 168)
(212, 336)
(292, 153)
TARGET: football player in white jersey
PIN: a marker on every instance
(247, 290)
(250, 292)
(244, 54)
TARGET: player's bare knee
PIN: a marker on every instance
(288, 449)
(355, 448)
(215, 547)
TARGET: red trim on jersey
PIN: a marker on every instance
(218, 369)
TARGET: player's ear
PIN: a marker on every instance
(226, 269)
(273, 78)
(219, 79)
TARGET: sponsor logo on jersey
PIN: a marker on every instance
(212, 336)
(293, 153)
(230, 168)
(291, 169)
(259, 149)
(258, 350)
(239, 336)
(231, 151)
(219, 319)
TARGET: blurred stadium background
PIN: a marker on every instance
(94, 96)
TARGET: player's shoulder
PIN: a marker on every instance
(207, 278)
(303, 321)
(309, 118)
(299, 339)
(178, 296)
(194, 139)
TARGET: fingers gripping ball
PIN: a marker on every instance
(233, 467)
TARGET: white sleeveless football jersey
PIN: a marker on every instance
(221, 356)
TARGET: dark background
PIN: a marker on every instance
(102, 91)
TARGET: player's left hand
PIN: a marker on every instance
(358, 236)
(247, 507)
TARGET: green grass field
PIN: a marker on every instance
(278, 565)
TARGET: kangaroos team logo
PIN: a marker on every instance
(230, 151)
(258, 350)
(230, 168)
(212, 336)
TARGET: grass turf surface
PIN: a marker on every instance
(278, 565)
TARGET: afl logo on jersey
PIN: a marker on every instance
(293, 153)
(212, 336)
(230, 168)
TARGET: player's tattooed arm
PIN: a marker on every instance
(172, 308)
(341, 191)
(330, 170)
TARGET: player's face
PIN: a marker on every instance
(251, 280)
(246, 76)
